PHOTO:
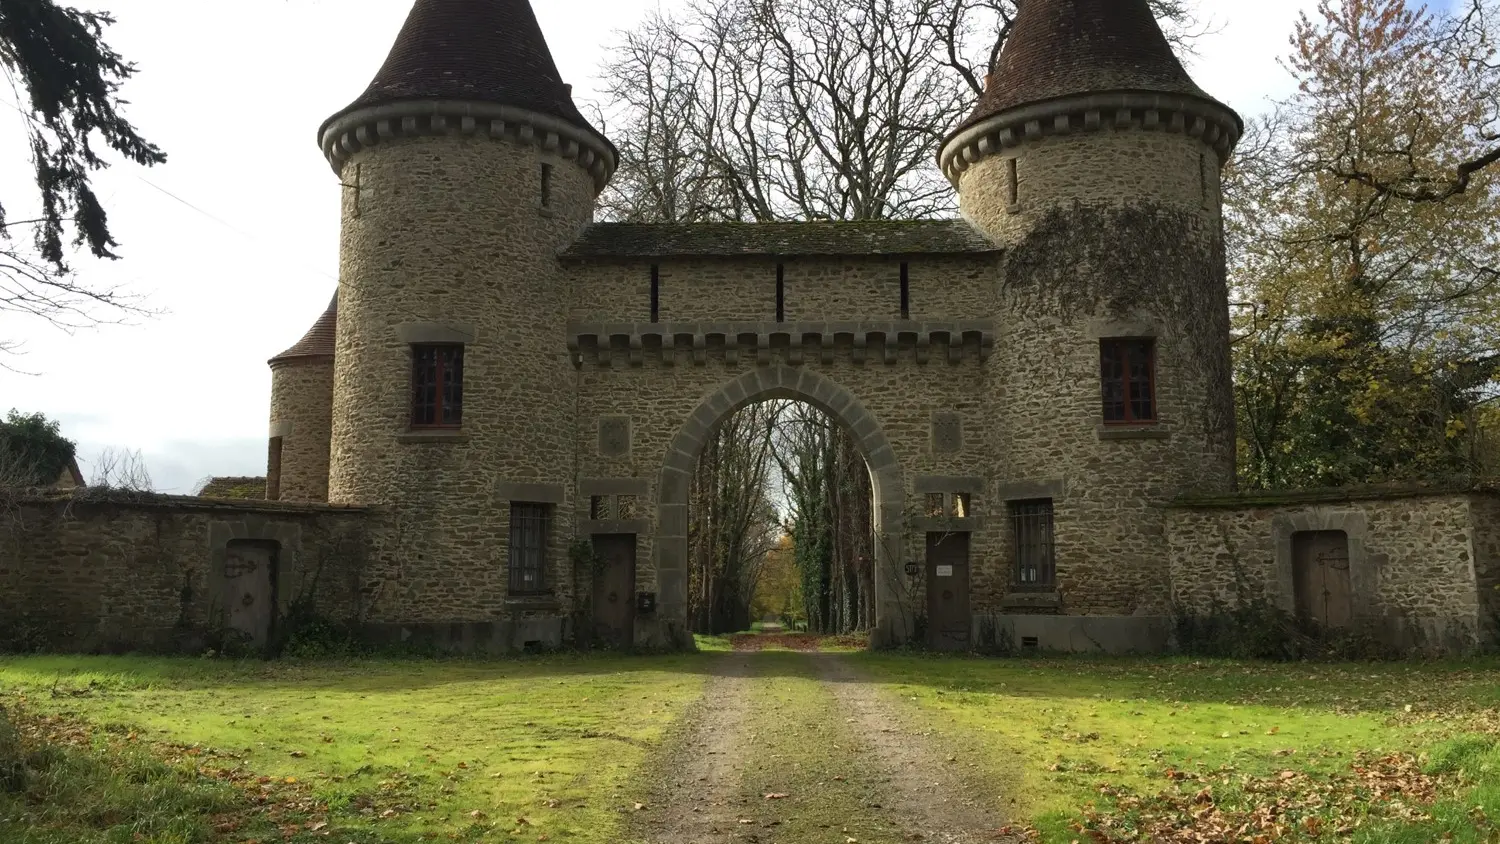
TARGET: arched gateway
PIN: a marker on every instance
(782, 382)
(521, 391)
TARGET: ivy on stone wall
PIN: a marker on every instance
(1119, 262)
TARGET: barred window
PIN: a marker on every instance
(528, 548)
(1032, 525)
(437, 386)
(1128, 377)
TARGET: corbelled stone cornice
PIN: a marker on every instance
(1214, 124)
(630, 344)
(368, 127)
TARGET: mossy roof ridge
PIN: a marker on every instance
(1330, 495)
(241, 487)
(866, 237)
(97, 496)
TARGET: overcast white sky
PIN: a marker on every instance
(247, 259)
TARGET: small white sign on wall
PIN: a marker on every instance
(945, 571)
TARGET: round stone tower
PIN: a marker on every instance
(1094, 159)
(465, 168)
(302, 414)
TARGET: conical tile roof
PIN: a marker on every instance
(488, 51)
(318, 342)
(1062, 48)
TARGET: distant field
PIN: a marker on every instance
(613, 748)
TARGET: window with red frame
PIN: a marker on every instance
(1128, 375)
(437, 386)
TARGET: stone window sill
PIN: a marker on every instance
(435, 435)
(533, 602)
(1032, 600)
(1134, 432)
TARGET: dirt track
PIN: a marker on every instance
(807, 725)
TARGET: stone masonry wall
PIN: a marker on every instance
(1485, 510)
(119, 574)
(446, 240)
(1112, 235)
(1412, 558)
(817, 289)
(302, 416)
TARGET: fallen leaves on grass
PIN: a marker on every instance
(1284, 806)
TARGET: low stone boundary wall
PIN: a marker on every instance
(111, 572)
(1417, 560)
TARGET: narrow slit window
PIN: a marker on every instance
(905, 290)
(273, 470)
(529, 525)
(781, 293)
(1036, 566)
(655, 293)
(1012, 181)
(1127, 371)
(437, 386)
(546, 185)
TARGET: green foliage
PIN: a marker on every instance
(71, 79)
(1366, 312)
(33, 451)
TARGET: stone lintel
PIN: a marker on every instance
(589, 527)
(924, 484)
(1099, 329)
(939, 524)
(1053, 488)
(436, 332)
(589, 487)
(529, 492)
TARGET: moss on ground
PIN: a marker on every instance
(377, 751)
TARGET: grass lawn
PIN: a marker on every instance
(177, 751)
(1141, 740)
(368, 752)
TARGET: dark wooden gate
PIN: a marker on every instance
(614, 589)
(250, 589)
(1320, 572)
(948, 619)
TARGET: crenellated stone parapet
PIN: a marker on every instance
(364, 128)
(887, 342)
(1214, 124)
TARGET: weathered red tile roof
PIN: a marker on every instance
(1061, 48)
(319, 340)
(489, 51)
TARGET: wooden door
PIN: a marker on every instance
(614, 589)
(249, 589)
(948, 620)
(1320, 572)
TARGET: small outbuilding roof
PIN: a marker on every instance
(318, 342)
(1061, 48)
(879, 237)
(489, 51)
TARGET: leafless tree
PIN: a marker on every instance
(733, 525)
(761, 110)
(119, 469)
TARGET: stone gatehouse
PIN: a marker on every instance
(516, 394)
(1032, 384)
